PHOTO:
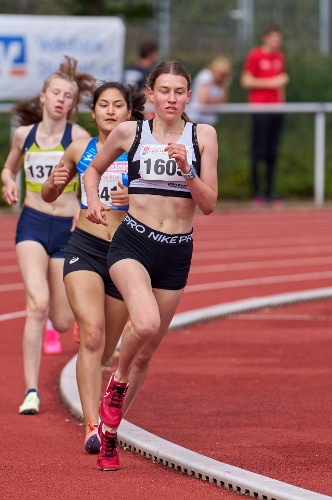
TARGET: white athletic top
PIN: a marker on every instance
(150, 169)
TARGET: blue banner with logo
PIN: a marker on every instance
(32, 47)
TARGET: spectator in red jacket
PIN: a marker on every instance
(264, 76)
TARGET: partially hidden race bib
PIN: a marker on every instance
(117, 172)
(156, 165)
(38, 166)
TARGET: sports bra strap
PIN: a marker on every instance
(137, 139)
(67, 138)
(30, 139)
(194, 134)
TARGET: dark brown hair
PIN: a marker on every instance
(31, 111)
(134, 98)
(169, 68)
(273, 28)
(147, 47)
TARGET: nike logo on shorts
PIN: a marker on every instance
(73, 260)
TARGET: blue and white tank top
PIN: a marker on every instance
(151, 171)
(116, 172)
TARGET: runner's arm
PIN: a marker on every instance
(204, 189)
(63, 173)
(117, 142)
(10, 189)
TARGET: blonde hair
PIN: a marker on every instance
(222, 64)
(31, 111)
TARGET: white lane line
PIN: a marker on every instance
(11, 287)
(262, 264)
(261, 252)
(242, 266)
(8, 244)
(289, 278)
(13, 315)
(259, 243)
(281, 317)
(9, 269)
(226, 284)
(7, 255)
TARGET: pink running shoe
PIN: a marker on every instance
(52, 344)
(258, 202)
(108, 458)
(110, 408)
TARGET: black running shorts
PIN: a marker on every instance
(166, 257)
(89, 253)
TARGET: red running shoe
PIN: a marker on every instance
(108, 458)
(110, 408)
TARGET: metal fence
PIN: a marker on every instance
(194, 31)
(189, 28)
(197, 29)
(319, 110)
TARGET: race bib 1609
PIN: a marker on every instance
(155, 164)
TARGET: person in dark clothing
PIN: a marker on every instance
(137, 73)
(264, 76)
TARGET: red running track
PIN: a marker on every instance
(251, 390)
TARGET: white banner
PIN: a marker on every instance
(32, 47)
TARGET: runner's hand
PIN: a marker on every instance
(120, 197)
(10, 192)
(179, 154)
(60, 174)
(95, 212)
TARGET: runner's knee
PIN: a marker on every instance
(37, 309)
(146, 326)
(92, 339)
(62, 323)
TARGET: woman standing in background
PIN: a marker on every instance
(210, 86)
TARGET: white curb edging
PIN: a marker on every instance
(226, 309)
(159, 450)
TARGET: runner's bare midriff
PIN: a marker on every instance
(113, 218)
(65, 206)
(163, 213)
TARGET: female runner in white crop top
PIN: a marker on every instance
(157, 214)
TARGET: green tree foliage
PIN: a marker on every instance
(129, 9)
